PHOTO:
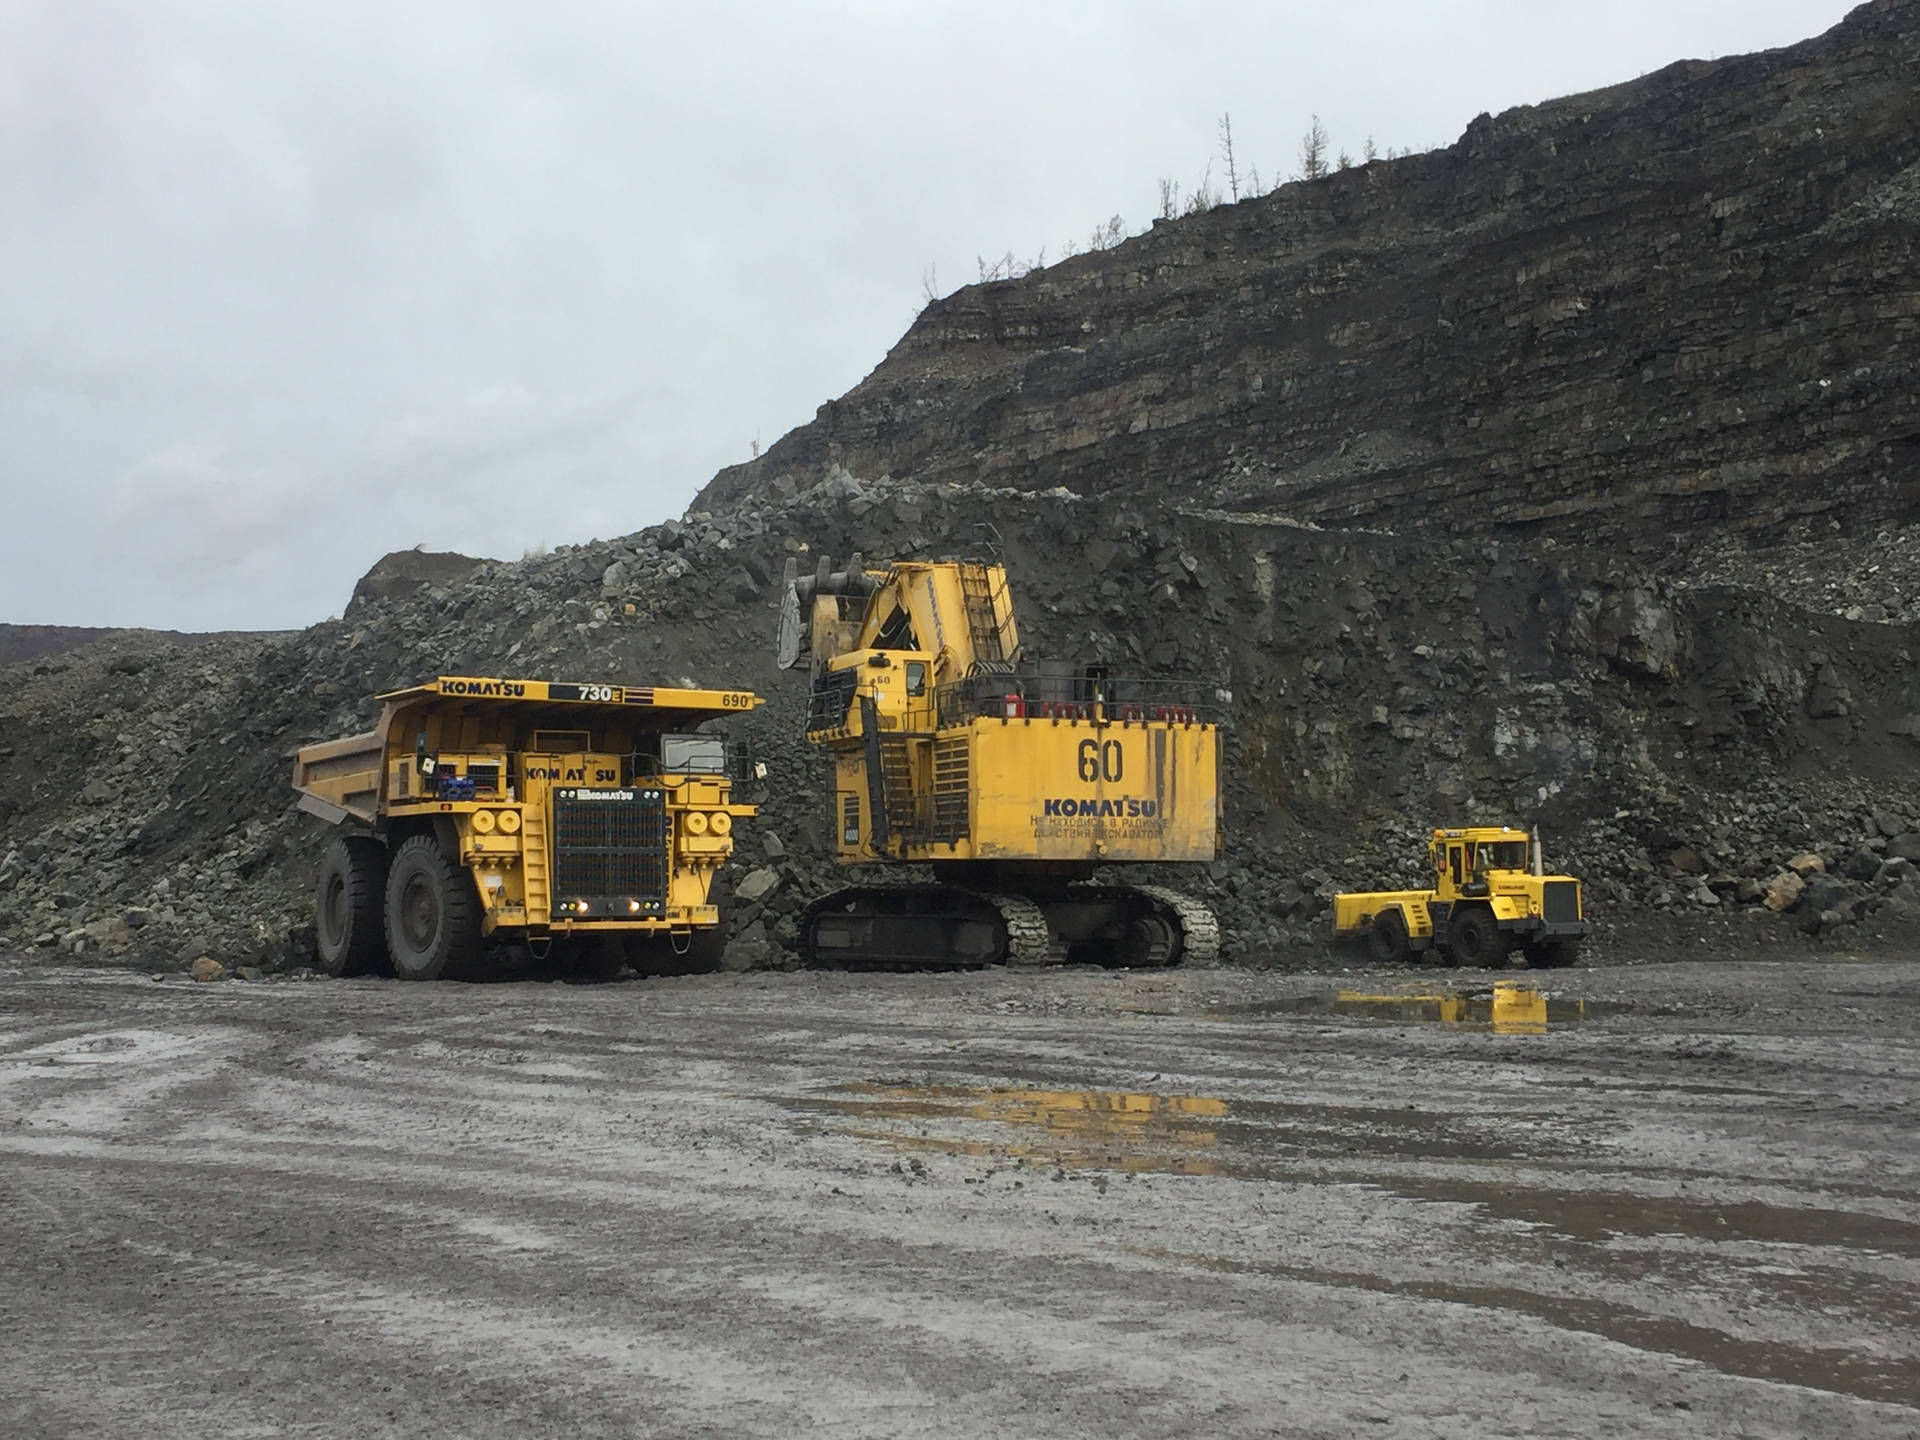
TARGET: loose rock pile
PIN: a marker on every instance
(1680, 747)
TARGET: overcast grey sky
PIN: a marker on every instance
(292, 285)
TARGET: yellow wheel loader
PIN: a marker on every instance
(1011, 780)
(1489, 895)
(589, 822)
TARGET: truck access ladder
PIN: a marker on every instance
(538, 882)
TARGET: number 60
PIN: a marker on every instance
(1100, 760)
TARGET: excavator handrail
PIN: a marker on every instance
(1108, 700)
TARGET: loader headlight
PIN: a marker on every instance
(721, 822)
(695, 822)
(482, 822)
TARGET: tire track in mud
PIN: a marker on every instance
(388, 1208)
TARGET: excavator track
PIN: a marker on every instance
(911, 927)
(1030, 943)
(1199, 927)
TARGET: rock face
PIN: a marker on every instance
(1665, 738)
(402, 572)
(1678, 308)
(1348, 452)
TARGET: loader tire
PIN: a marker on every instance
(433, 914)
(1387, 940)
(349, 937)
(1477, 940)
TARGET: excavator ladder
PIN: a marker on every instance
(989, 613)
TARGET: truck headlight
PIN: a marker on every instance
(695, 823)
(509, 822)
(721, 822)
(482, 822)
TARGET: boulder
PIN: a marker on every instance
(748, 955)
(1827, 892)
(1806, 863)
(1862, 865)
(757, 885)
(1638, 635)
(206, 968)
(1784, 891)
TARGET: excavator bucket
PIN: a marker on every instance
(811, 608)
(793, 625)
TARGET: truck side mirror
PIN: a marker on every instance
(422, 761)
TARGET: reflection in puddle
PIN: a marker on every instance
(1509, 1007)
(1071, 1129)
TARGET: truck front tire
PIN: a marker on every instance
(1477, 939)
(433, 913)
(348, 936)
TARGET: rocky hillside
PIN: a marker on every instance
(1676, 310)
(1679, 747)
(1348, 452)
(33, 642)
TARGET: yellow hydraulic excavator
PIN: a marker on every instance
(1014, 781)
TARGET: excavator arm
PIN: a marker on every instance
(960, 613)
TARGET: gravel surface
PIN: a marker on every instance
(1217, 1203)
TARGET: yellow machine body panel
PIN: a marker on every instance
(1354, 911)
(1036, 789)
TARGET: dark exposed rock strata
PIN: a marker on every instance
(1681, 306)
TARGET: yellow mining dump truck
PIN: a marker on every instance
(1011, 780)
(1489, 894)
(588, 821)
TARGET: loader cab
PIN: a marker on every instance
(1472, 862)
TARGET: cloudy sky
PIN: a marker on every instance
(292, 285)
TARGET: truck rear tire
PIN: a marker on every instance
(1387, 940)
(433, 913)
(1476, 939)
(349, 937)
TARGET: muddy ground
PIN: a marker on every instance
(1217, 1203)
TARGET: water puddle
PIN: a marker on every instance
(1067, 1129)
(1507, 1007)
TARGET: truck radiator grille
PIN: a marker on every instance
(1561, 901)
(610, 846)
